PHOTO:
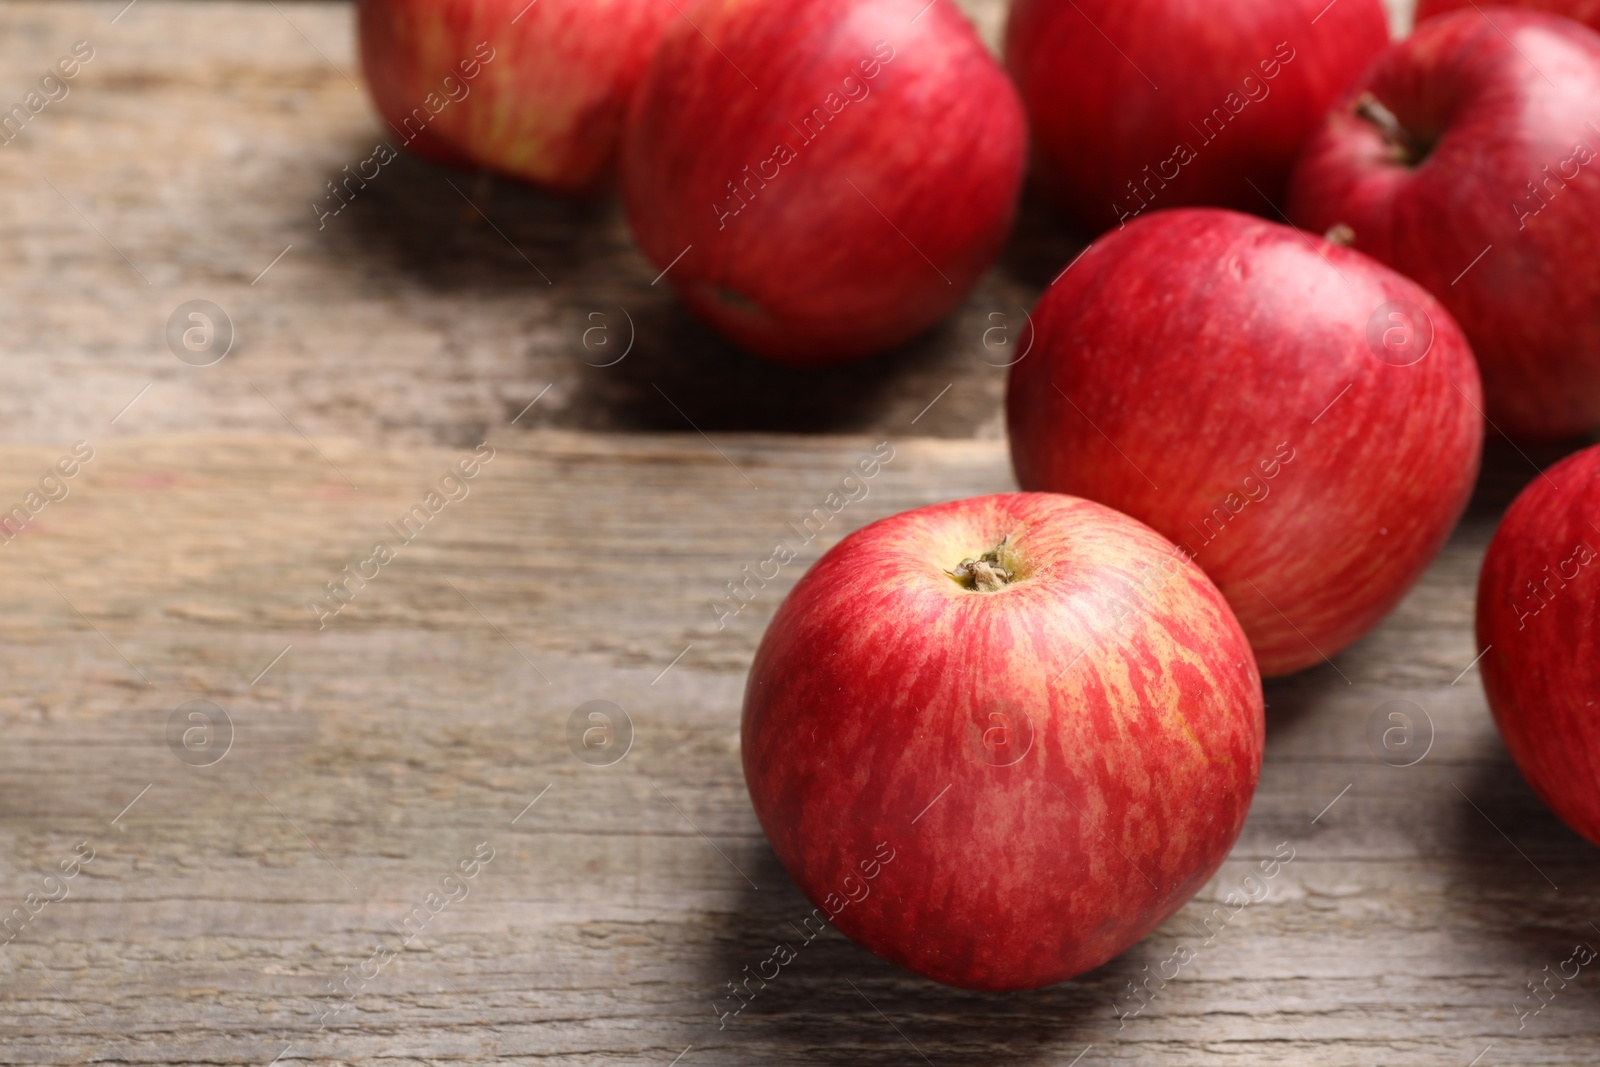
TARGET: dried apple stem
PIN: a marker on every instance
(988, 572)
(1408, 149)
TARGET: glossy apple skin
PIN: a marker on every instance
(1531, 304)
(1235, 364)
(1538, 605)
(882, 218)
(1584, 11)
(868, 729)
(546, 108)
(1115, 86)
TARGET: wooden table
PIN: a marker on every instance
(249, 864)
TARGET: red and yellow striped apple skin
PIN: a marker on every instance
(864, 731)
(1539, 618)
(1179, 355)
(547, 108)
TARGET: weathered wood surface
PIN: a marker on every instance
(375, 754)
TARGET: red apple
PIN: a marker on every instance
(536, 90)
(1538, 602)
(822, 179)
(1140, 104)
(1584, 11)
(1299, 418)
(997, 741)
(1465, 158)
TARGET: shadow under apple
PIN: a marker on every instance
(627, 354)
(1524, 880)
(843, 1005)
(1508, 467)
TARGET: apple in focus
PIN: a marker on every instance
(1465, 158)
(997, 741)
(1299, 419)
(1538, 603)
(1144, 104)
(535, 90)
(822, 179)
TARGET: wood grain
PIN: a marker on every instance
(369, 757)
(422, 720)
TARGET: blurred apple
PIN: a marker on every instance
(1464, 158)
(822, 179)
(1143, 104)
(534, 89)
(1584, 11)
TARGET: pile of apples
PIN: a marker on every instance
(1320, 263)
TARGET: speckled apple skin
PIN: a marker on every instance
(1538, 609)
(1235, 384)
(868, 733)
(546, 108)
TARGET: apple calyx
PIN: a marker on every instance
(1405, 145)
(988, 572)
(1341, 233)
